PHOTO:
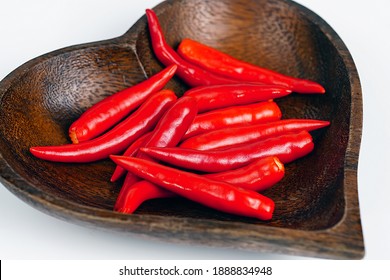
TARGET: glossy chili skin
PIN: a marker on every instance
(287, 148)
(167, 133)
(174, 124)
(257, 176)
(214, 194)
(191, 74)
(222, 96)
(133, 195)
(235, 136)
(115, 140)
(109, 111)
(223, 64)
(170, 129)
(260, 112)
(130, 151)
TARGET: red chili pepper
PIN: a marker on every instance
(168, 133)
(286, 147)
(133, 195)
(170, 129)
(117, 139)
(192, 75)
(217, 195)
(234, 116)
(223, 64)
(236, 136)
(174, 124)
(109, 111)
(222, 96)
(257, 176)
(131, 151)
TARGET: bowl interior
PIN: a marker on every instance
(40, 104)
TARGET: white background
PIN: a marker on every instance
(32, 28)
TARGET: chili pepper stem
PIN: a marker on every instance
(73, 136)
(279, 164)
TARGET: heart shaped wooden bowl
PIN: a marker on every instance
(317, 209)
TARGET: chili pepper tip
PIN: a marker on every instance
(114, 157)
(117, 159)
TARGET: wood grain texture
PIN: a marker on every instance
(317, 208)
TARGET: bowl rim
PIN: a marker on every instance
(332, 242)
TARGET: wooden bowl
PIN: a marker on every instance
(317, 209)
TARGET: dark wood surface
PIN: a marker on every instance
(317, 209)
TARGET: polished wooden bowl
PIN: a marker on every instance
(317, 209)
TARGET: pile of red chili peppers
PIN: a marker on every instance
(220, 144)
